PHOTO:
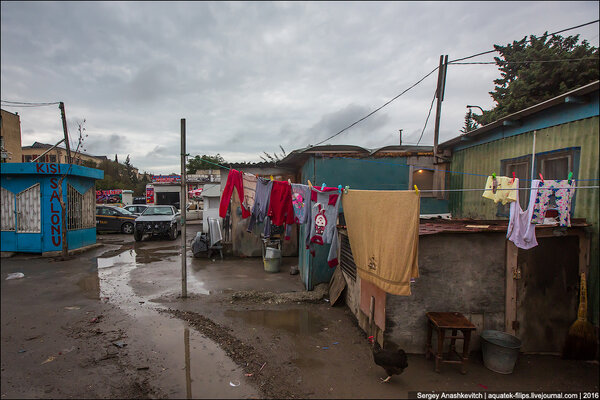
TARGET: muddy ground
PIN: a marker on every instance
(110, 323)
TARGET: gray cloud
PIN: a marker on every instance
(249, 76)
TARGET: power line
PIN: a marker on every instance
(374, 111)
(529, 40)
(7, 103)
(428, 115)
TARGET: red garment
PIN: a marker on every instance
(234, 180)
(281, 208)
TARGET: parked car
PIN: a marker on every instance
(136, 209)
(111, 218)
(158, 220)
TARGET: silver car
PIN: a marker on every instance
(158, 220)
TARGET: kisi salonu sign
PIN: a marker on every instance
(55, 210)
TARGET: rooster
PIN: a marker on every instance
(393, 362)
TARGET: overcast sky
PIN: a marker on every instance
(249, 77)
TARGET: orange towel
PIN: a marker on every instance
(383, 228)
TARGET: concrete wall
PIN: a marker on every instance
(10, 130)
(458, 272)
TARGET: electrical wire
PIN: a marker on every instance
(428, 115)
(527, 41)
(7, 103)
(374, 111)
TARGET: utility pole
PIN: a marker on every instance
(441, 84)
(183, 206)
(400, 137)
(64, 123)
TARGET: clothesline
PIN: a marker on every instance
(406, 165)
(449, 190)
(526, 188)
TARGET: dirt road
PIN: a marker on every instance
(110, 324)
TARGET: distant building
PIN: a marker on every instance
(10, 133)
(57, 155)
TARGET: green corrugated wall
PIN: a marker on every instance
(485, 159)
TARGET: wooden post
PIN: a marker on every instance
(182, 208)
(441, 84)
(510, 310)
(65, 131)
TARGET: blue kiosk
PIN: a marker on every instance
(31, 217)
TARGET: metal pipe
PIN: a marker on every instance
(183, 206)
(47, 151)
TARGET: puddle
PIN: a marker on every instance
(293, 321)
(185, 363)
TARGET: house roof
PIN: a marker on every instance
(298, 157)
(211, 190)
(568, 97)
(45, 146)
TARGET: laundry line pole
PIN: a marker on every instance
(182, 210)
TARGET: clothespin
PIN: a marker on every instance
(494, 175)
(570, 176)
(323, 186)
(340, 189)
(541, 177)
(346, 189)
(514, 177)
(417, 190)
(309, 184)
(271, 177)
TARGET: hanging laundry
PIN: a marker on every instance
(563, 192)
(234, 181)
(384, 244)
(301, 202)
(323, 222)
(249, 190)
(502, 193)
(521, 231)
(261, 203)
(281, 209)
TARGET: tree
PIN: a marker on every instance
(275, 157)
(63, 205)
(524, 83)
(470, 123)
(200, 162)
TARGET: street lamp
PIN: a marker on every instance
(476, 107)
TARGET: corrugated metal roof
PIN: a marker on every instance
(589, 88)
(298, 157)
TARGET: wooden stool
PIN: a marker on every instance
(456, 322)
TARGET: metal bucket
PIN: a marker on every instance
(272, 259)
(500, 351)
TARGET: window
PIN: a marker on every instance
(556, 165)
(52, 158)
(80, 209)
(28, 158)
(8, 210)
(521, 166)
(423, 178)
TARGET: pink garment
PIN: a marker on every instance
(234, 180)
(521, 230)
